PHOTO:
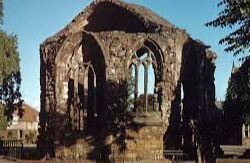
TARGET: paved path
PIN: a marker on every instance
(5, 161)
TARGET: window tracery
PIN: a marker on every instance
(145, 58)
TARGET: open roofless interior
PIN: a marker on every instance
(121, 82)
(111, 17)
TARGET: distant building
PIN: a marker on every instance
(28, 122)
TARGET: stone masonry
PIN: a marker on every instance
(84, 84)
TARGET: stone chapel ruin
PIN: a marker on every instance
(88, 68)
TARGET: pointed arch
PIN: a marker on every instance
(152, 56)
(82, 69)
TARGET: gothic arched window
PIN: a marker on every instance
(143, 80)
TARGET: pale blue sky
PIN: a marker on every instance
(35, 20)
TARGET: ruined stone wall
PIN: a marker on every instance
(120, 47)
(62, 61)
(199, 95)
(180, 60)
(47, 82)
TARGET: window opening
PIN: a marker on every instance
(143, 81)
(82, 81)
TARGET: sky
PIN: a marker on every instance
(35, 20)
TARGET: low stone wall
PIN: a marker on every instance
(146, 143)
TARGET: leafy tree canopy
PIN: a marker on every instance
(9, 57)
(10, 78)
(3, 119)
(235, 15)
(237, 102)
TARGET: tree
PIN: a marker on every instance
(235, 15)
(238, 92)
(10, 78)
(237, 103)
(141, 103)
(3, 120)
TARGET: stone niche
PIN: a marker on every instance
(86, 88)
